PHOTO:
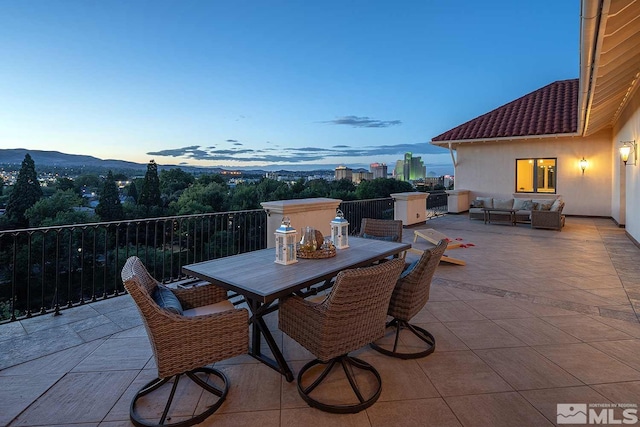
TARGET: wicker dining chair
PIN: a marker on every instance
(209, 330)
(350, 317)
(381, 229)
(409, 296)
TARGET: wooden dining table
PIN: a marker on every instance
(261, 282)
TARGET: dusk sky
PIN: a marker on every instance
(259, 84)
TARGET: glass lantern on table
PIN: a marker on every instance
(340, 231)
(285, 243)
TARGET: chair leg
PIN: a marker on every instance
(348, 365)
(219, 393)
(421, 333)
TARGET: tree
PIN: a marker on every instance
(150, 194)
(64, 183)
(269, 189)
(209, 178)
(26, 192)
(58, 209)
(132, 191)
(244, 197)
(173, 182)
(201, 198)
(381, 187)
(109, 208)
(1, 185)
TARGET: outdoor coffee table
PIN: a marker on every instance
(497, 214)
(261, 281)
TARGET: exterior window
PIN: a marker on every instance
(536, 175)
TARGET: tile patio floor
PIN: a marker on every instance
(535, 318)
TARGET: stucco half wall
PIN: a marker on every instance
(489, 168)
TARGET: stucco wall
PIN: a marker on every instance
(627, 178)
(489, 169)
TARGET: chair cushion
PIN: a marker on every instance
(218, 307)
(392, 238)
(542, 204)
(503, 203)
(167, 299)
(522, 204)
(408, 269)
(556, 205)
(477, 203)
(487, 202)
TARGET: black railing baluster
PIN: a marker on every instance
(69, 297)
(29, 235)
(56, 297)
(81, 253)
(43, 309)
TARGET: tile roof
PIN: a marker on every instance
(550, 110)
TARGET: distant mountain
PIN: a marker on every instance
(15, 156)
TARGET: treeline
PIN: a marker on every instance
(170, 192)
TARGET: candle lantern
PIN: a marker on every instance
(285, 243)
(340, 231)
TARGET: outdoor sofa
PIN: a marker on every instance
(540, 213)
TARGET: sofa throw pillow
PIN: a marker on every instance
(167, 299)
(543, 205)
(477, 203)
(487, 202)
(503, 203)
(555, 206)
(522, 204)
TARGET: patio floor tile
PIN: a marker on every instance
(546, 400)
(451, 311)
(586, 328)
(498, 309)
(402, 379)
(534, 331)
(445, 339)
(496, 410)
(627, 351)
(18, 392)
(461, 372)
(524, 368)
(412, 413)
(623, 392)
(483, 334)
(77, 398)
(588, 364)
(310, 417)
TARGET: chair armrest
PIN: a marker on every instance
(304, 321)
(185, 343)
(546, 219)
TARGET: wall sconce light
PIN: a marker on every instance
(583, 164)
(628, 148)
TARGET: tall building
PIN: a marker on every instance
(398, 172)
(411, 168)
(379, 170)
(343, 172)
(361, 175)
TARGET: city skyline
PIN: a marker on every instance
(289, 85)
